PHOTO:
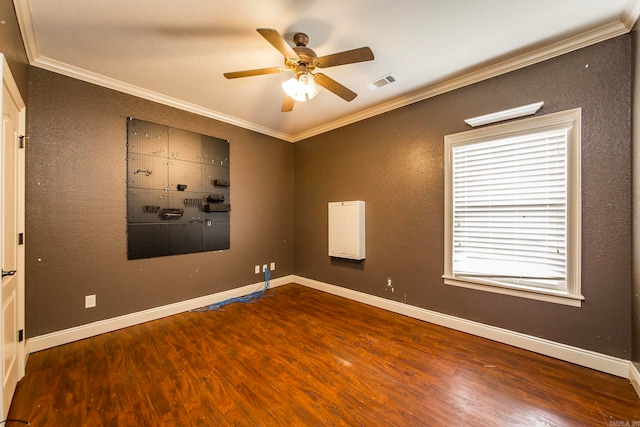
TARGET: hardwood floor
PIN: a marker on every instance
(300, 357)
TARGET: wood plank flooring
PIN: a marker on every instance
(300, 357)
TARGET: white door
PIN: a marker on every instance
(11, 237)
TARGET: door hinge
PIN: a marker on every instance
(20, 238)
(21, 143)
(21, 335)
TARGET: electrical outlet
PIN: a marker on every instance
(272, 266)
(257, 269)
(89, 301)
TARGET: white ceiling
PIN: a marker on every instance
(175, 52)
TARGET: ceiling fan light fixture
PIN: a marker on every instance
(302, 88)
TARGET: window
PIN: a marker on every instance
(512, 208)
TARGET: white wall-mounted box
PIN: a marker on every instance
(346, 229)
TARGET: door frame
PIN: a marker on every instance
(14, 92)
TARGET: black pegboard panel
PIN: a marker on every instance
(173, 203)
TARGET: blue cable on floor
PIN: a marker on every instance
(254, 296)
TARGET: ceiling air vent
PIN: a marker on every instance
(382, 81)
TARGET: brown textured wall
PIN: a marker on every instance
(76, 208)
(395, 163)
(12, 47)
(635, 294)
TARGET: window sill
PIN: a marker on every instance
(539, 295)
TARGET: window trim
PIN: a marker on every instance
(570, 120)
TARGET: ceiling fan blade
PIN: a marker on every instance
(278, 42)
(335, 87)
(287, 104)
(257, 72)
(347, 57)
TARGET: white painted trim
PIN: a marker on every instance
(518, 60)
(579, 356)
(12, 87)
(28, 31)
(536, 294)
(634, 377)
(100, 80)
(512, 113)
(601, 362)
(66, 336)
(631, 14)
(9, 83)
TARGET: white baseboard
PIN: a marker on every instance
(582, 357)
(634, 377)
(590, 359)
(66, 336)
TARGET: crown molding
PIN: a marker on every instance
(27, 30)
(520, 60)
(97, 79)
(631, 14)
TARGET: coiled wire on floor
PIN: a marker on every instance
(254, 296)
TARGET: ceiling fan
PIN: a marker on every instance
(302, 61)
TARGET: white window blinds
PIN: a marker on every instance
(510, 209)
(513, 208)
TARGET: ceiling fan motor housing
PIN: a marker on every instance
(306, 57)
